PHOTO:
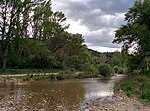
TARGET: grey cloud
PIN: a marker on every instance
(102, 38)
(95, 22)
(112, 6)
(93, 13)
(97, 15)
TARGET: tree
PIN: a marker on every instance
(136, 33)
(10, 27)
(119, 59)
(27, 19)
(33, 36)
(46, 23)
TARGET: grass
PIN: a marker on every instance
(45, 74)
(137, 86)
(24, 78)
(26, 71)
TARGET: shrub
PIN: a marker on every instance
(104, 70)
(120, 71)
(88, 68)
(126, 70)
(116, 68)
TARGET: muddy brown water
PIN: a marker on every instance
(67, 95)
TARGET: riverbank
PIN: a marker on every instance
(137, 86)
(26, 71)
(128, 97)
(119, 102)
(61, 75)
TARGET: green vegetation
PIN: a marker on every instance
(63, 75)
(24, 78)
(136, 35)
(119, 70)
(46, 45)
(105, 70)
(116, 69)
(26, 71)
(136, 86)
(74, 76)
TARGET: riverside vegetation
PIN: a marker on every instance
(46, 47)
(136, 34)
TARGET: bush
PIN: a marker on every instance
(104, 70)
(120, 71)
(88, 68)
(126, 70)
(116, 68)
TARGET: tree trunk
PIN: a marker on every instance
(4, 56)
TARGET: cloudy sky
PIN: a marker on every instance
(96, 20)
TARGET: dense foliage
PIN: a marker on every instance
(105, 70)
(136, 35)
(33, 36)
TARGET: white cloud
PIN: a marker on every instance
(104, 49)
(96, 20)
(75, 27)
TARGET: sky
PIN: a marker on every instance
(96, 20)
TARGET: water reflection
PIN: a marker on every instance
(53, 95)
(100, 88)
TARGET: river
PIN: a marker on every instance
(67, 95)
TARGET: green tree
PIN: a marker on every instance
(13, 23)
(119, 59)
(46, 23)
(27, 19)
(33, 36)
(136, 33)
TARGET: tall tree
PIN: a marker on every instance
(46, 23)
(10, 12)
(136, 33)
(14, 23)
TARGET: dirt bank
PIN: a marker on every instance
(120, 102)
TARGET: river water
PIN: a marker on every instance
(67, 95)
